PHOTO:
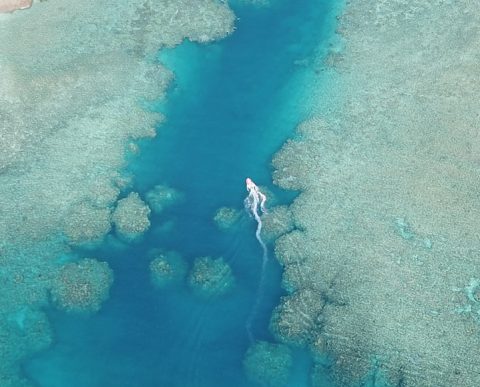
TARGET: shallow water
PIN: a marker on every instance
(230, 108)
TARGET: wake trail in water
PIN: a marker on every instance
(254, 202)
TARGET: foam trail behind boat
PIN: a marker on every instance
(254, 202)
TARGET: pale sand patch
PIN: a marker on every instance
(14, 5)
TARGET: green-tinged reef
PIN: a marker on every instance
(167, 268)
(76, 79)
(211, 277)
(388, 217)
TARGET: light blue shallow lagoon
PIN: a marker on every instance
(231, 106)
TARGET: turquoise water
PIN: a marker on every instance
(232, 105)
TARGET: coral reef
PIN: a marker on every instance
(82, 286)
(130, 217)
(211, 277)
(468, 299)
(87, 223)
(24, 331)
(73, 91)
(295, 271)
(226, 217)
(272, 199)
(268, 364)
(297, 318)
(166, 268)
(388, 216)
(276, 222)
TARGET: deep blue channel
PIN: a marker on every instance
(231, 106)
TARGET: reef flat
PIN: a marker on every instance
(383, 267)
(76, 79)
